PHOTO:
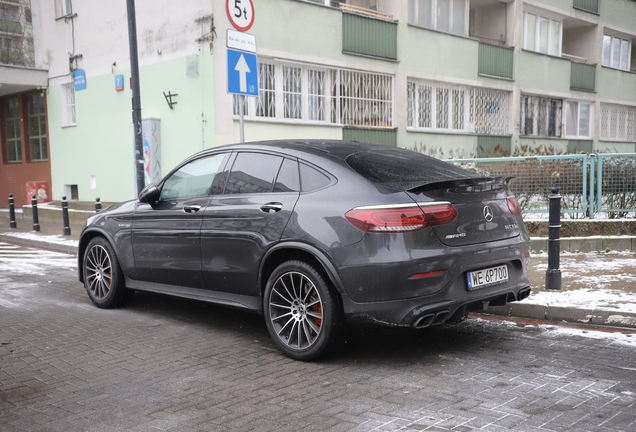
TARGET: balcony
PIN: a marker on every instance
(582, 77)
(7, 26)
(495, 61)
(587, 5)
(366, 32)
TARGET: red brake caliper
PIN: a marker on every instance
(318, 309)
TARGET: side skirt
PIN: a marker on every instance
(227, 299)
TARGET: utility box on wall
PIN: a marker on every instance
(151, 135)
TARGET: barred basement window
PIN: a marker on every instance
(365, 98)
(441, 107)
(489, 111)
(618, 122)
(540, 116)
(266, 104)
(295, 92)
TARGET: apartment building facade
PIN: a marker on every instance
(24, 155)
(450, 78)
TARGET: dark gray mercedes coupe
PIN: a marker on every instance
(312, 233)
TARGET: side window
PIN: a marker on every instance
(252, 173)
(311, 179)
(287, 180)
(193, 179)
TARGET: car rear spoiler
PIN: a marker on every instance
(481, 182)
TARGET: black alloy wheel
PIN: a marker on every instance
(302, 314)
(103, 278)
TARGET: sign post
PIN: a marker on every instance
(242, 69)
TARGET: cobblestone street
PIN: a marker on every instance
(166, 364)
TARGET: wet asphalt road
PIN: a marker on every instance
(170, 364)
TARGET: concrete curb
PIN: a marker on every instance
(568, 314)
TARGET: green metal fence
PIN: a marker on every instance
(535, 177)
(587, 5)
(589, 184)
(582, 77)
(369, 36)
(495, 60)
(615, 184)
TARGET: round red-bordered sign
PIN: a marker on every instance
(240, 13)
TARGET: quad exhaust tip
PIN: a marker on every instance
(433, 318)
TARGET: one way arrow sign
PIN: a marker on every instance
(242, 73)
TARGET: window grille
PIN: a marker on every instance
(294, 92)
(618, 122)
(266, 103)
(365, 98)
(457, 109)
(489, 110)
(540, 116)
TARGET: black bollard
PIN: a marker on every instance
(12, 223)
(36, 219)
(67, 228)
(553, 274)
(98, 205)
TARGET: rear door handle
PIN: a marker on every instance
(192, 208)
(271, 207)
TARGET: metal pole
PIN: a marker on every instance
(553, 274)
(12, 223)
(67, 228)
(136, 98)
(241, 105)
(36, 219)
(98, 205)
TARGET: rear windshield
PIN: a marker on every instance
(403, 169)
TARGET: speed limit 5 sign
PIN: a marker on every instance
(240, 13)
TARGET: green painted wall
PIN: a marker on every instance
(615, 84)
(263, 131)
(442, 146)
(103, 137)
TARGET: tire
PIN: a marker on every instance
(302, 313)
(103, 278)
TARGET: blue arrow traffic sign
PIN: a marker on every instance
(242, 73)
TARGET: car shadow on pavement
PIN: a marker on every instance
(363, 342)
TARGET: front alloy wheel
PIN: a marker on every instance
(103, 278)
(301, 312)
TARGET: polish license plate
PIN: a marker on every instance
(486, 277)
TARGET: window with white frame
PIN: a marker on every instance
(447, 108)
(68, 105)
(578, 118)
(305, 93)
(618, 122)
(540, 116)
(542, 34)
(449, 16)
(616, 52)
(63, 8)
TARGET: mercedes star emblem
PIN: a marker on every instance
(488, 214)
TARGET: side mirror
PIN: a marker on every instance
(150, 194)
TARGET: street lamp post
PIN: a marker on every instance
(136, 98)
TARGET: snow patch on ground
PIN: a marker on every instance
(587, 298)
(55, 239)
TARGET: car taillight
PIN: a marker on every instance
(401, 218)
(514, 207)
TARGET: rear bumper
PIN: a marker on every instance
(432, 310)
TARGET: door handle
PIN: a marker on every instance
(271, 207)
(192, 208)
